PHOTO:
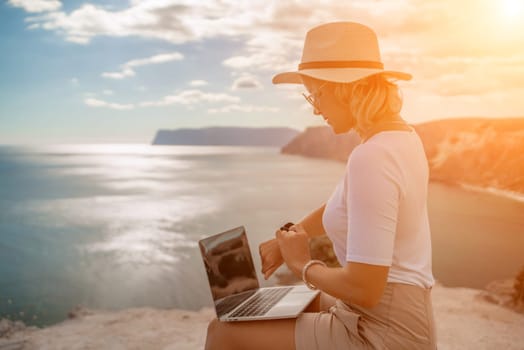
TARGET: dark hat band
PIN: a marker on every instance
(340, 64)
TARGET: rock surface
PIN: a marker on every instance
(464, 321)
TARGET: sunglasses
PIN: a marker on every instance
(312, 98)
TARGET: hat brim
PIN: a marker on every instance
(337, 75)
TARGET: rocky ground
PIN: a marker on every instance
(466, 319)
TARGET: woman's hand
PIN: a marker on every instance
(294, 247)
(270, 257)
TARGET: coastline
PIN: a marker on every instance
(185, 338)
(464, 319)
(517, 196)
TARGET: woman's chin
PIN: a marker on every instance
(339, 130)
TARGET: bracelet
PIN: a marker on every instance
(304, 271)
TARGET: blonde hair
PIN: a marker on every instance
(370, 100)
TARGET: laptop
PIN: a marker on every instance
(234, 283)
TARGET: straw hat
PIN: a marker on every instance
(340, 52)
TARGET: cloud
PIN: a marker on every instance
(188, 98)
(124, 73)
(197, 83)
(35, 6)
(453, 76)
(413, 34)
(74, 81)
(246, 81)
(127, 68)
(93, 102)
(191, 97)
(162, 58)
(267, 53)
(242, 108)
(175, 21)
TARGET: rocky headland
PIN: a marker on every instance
(226, 136)
(485, 153)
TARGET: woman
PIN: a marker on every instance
(376, 217)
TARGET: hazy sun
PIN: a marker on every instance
(512, 9)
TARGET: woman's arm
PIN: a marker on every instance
(270, 255)
(359, 283)
(312, 222)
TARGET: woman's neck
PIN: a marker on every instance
(395, 123)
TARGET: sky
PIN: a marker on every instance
(117, 71)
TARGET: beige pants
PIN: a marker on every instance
(402, 320)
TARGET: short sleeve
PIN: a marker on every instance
(372, 205)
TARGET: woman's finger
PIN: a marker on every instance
(269, 272)
(268, 268)
(280, 234)
(297, 228)
(271, 260)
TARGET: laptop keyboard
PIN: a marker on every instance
(261, 302)
(232, 301)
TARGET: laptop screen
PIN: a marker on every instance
(230, 269)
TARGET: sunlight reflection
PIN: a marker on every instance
(140, 149)
(121, 166)
(144, 163)
(142, 246)
(123, 219)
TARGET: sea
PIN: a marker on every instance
(113, 226)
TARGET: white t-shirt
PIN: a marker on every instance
(378, 212)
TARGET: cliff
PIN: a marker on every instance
(226, 136)
(321, 142)
(479, 152)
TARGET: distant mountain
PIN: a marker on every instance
(226, 136)
(483, 152)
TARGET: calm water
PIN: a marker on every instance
(115, 226)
